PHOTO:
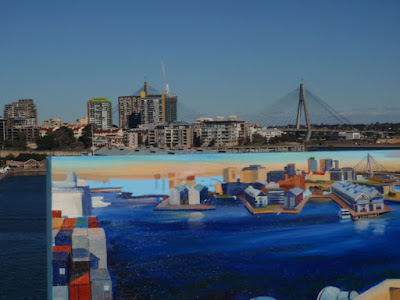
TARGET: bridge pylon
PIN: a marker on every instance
(303, 104)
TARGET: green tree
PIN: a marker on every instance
(212, 143)
(46, 142)
(258, 138)
(86, 137)
(64, 137)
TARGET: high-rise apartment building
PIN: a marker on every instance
(100, 113)
(147, 108)
(24, 112)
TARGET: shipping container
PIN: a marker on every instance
(79, 288)
(80, 254)
(92, 222)
(60, 292)
(63, 249)
(97, 245)
(69, 223)
(80, 238)
(56, 213)
(53, 236)
(61, 265)
(57, 223)
(63, 238)
(81, 222)
(101, 284)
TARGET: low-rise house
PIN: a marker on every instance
(179, 195)
(255, 197)
(198, 194)
(360, 198)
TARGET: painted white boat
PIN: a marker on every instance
(344, 213)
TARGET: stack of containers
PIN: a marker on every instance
(80, 260)
(61, 267)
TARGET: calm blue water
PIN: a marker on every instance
(23, 238)
(229, 254)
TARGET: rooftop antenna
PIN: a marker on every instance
(165, 78)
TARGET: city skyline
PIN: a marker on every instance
(243, 56)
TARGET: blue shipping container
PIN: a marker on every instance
(60, 268)
(63, 238)
(94, 261)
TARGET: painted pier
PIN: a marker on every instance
(165, 205)
(273, 209)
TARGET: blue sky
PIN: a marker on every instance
(222, 57)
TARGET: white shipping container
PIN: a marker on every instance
(60, 292)
(101, 284)
(97, 245)
(80, 238)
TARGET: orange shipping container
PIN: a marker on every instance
(79, 289)
(62, 249)
(69, 223)
(56, 213)
(57, 223)
(93, 223)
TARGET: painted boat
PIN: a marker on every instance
(344, 213)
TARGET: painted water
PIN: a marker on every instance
(230, 254)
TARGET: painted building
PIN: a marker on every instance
(198, 194)
(293, 197)
(335, 174)
(360, 198)
(349, 174)
(255, 197)
(179, 195)
(298, 180)
(290, 169)
(230, 174)
(276, 196)
(275, 176)
(312, 165)
(253, 173)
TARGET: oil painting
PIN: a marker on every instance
(304, 225)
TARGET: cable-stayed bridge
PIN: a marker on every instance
(299, 110)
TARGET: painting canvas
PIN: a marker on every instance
(306, 225)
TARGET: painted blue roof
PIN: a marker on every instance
(181, 188)
(199, 187)
(296, 191)
(253, 167)
(356, 190)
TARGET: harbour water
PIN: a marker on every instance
(23, 237)
(229, 254)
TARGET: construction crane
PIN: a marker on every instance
(165, 78)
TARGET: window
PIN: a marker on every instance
(62, 271)
(106, 288)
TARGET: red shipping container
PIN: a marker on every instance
(92, 222)
(62, 249)
(69, 223)
(79, 289)
(56, 213)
